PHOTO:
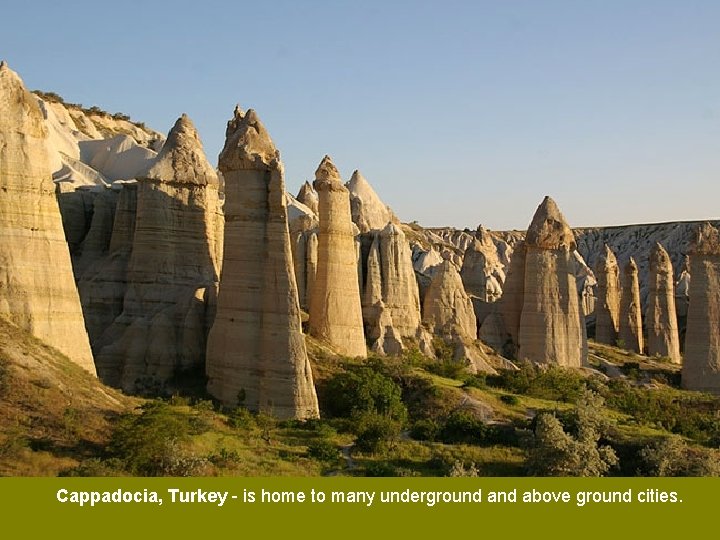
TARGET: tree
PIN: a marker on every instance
(557, 453)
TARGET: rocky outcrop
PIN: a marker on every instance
(172, 273)
(701, 366)
(335, 308)
(660, 316)
(391, 303)
(630, 331)
(256, 352)
(37, 289)
(447, 309)
(607, 304)
(369, 213)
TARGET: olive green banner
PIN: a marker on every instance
(347, 508)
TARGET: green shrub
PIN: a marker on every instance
(324, 450)
(462, 426)
(376, 433)
(363, 390)
(424, 430)
(552, 383)
(510, 399)
(148, 443)
(241, 418)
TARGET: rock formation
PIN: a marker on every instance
(369, 213)
(447, 309)
(335, 308)
(550, 331)
(682, 290)
(172, 273)
(701, 366)
(256, 350)
(630, 333)
(391, 303)
(607, 304)
(660, 316)
(37, 289)
(309, 197)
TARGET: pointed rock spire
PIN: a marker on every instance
(550, 330)
(182, 158)
(660, 315)
(630, 331)
(368, 211)
(308, 196)
(335, 307)
(701, 366)
(548, 229)
(256, 350)
(607, 304)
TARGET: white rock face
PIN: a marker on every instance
(309, 197)
(701, 367)
(368, 211)
(335, 308)
(256, 350)
(37, 290)
(660, 316)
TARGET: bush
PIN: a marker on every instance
(509, 399)
(673, 457)
(552, 383)
(462, 426)
(324, 450)
(148, 443)
(376, 433)
(241, 418)
(424, 430)
(363, 390)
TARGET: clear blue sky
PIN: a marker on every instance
(458, 113)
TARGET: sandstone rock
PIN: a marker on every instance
(172, 274)
(335, 308)
(660, 317)
(309, 197)
(550, 331)
(37, 289)
(607, 307)
(701, 367)
(481, 269)
(447, 309)
(368, 211)
(630, 332)
(256, 350)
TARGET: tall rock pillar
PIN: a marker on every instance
(660, 314)
(256, 352)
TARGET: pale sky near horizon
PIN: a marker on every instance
(457, 112)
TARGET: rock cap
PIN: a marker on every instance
(548, 229)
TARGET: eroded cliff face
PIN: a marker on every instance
(256, 352)
(335, 307)
(701, 365)
(37, 290)
(172, 273)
